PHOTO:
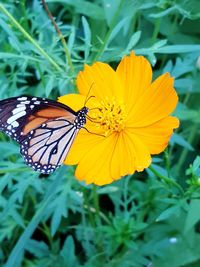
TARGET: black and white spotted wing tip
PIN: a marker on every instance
(13, 113)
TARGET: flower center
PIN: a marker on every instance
(111, 116)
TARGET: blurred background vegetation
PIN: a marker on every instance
(148, 219)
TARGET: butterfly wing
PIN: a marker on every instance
(19, 115)
(44, 129)
(46, 147)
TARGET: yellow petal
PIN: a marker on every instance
(136, 74)
(156, 136)
(139, 152)
(112, 158)
(74, 101)
(94, 167)
(155, 104)
(83, 143)
(101, 80)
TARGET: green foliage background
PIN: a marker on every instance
(148, 219)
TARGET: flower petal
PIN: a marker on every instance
(155, 104)
(84, 140)
(136, 74)
(113, 157)
(102, 80)
(83, 143)
(139, 152)
(157, 135)
(74, 101)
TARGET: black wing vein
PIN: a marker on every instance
(47, 161)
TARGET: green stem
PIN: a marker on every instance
(185, 151)
(167, 180)
(96, 202)
(86, 205)
(113, 23)
(67, 54)
(27, 35)
(24, 16)
(68, 57)
(167, 161)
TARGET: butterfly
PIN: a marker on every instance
(45, 129)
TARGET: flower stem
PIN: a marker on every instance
(184, 154)
(167, 180)
(96, 202)
(167, 161)
(68, 57)
(28, 36)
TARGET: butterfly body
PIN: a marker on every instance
(80, 120)
(45, 129)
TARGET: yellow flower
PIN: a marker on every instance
(130, 110)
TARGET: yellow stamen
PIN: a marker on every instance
(110, 116)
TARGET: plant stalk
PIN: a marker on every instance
(28, 36)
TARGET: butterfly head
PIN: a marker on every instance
(81, 117)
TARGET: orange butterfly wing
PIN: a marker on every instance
(44, 115)
(45, 129)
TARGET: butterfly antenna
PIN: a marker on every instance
(87, 96)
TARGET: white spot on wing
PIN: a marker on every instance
(22, 98)
(26, 102)
(16, 110)
(20, 105)
(15, 117)
(15, 124)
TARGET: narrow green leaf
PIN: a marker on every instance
(49, 85)
(134, 40)
(21, 243)
(178, 139)
(87, 35)
(169, 49)
(69, 250)
(116, 30)
(193, 215)
(168, 213)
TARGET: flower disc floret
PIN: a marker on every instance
(110, 116)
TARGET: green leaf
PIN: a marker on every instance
(116, 30)
(178, 139)
(133, 41)
(169, 49)
(69, 250)
(166, 214)
(60, 211)
(49, 85)
(87, 35)
(21, 243)
(193, 215)
(37, 248)
(163, 13)
(83, 7)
